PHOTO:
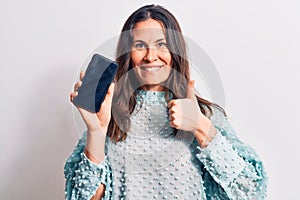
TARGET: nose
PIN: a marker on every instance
(151, 55)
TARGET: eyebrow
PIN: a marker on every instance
(159, 40)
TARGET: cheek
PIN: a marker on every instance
(136, 57)
(167, 71)
(166, 57)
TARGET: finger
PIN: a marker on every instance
(77, 85)
(173, 110)
(171, 103)
(72, 95)
(81, 75)
(171, 117)
(190, 90)
(111, 89)
(110, 92)
(173, 124)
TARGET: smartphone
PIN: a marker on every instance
(95, 83)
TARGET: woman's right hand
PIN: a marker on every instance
(99, 121)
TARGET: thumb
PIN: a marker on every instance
(110, 92)
(190, 90)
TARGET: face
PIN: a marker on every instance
(150, 55)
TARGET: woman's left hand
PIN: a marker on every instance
(185, 114)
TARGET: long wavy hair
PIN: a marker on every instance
(124, 99)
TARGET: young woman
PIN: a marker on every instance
(153, 138)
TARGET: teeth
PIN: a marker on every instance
(150, 69)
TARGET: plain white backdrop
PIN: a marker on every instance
(254, 45)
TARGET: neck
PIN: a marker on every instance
(153, 87)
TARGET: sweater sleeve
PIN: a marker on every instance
(232, 170)
(83, 177)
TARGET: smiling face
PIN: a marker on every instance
(150, 55)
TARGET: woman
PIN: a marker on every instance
(160, 140)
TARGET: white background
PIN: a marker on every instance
(43, 44)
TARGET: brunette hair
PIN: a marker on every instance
(124, 99)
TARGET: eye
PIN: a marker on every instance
(162, 44)
(139, 45)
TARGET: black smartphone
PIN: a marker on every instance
(95, 83)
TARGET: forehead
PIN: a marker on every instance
(148, 31)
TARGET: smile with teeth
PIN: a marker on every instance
(150, 69)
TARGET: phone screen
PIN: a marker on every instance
(95, 83)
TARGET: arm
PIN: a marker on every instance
(101, 189)
(84, 178)
(87, 170)
(95, 145)
(231, 170)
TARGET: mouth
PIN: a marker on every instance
(150, 68)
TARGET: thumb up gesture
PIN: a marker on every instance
(185, 114)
